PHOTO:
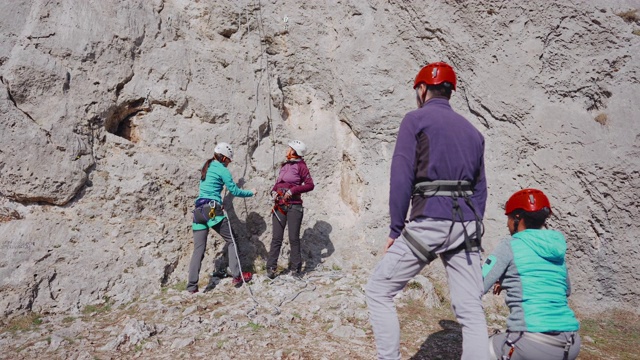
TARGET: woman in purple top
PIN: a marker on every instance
(293, 180)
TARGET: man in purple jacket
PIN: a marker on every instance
(438, 166)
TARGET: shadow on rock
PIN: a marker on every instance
(316, 244)
(445, 344)
(247, 234)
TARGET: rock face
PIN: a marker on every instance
(109, 109)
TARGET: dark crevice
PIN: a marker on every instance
(353, 131)
(121, 84)
(483, 120)
(168, 270)
(51, 279)
(34, 292)
(118, 120)
(41, 36)
(42, 258)
(504, 119)
(11, 98)
(264, 130)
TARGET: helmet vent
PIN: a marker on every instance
(532, 200)
(434, 72)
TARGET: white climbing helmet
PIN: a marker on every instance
(224, 149)
(298, 146)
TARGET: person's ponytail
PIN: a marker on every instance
(203, 171)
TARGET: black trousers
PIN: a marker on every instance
(293, 218)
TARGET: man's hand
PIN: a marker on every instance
(390, 242)
(497, 289)
(287, 195)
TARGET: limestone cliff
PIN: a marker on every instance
(109, 108)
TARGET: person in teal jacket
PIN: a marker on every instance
(209, 214)
(530, 266)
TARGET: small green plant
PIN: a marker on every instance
(68, 320)
(441, 292)
(636, 32)
(254, 326)
(335, 267)
(414, 285)
(296, 315)
(23, 323)
(180, 286)
(98, 309)
(220, 344)
(139, 346)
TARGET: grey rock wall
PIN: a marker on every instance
(108, 109)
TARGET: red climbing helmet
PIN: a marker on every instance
(436, 73)
(529, 200)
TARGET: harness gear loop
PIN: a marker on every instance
(568, 344)
(512, 345)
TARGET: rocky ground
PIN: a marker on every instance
(322, 316)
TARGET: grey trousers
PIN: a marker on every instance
(293, 219)
(527, 348)
(464, 275)
(227, 257)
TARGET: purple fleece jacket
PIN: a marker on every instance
(294, 175)
(435, 143)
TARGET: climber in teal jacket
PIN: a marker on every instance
(530, 266)
(209, 213)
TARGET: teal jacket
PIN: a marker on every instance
(217, 177)
(531, 268)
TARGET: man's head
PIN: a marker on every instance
(435, 79)
(527, 209)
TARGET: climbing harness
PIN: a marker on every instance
(281, 204)
(206, 209)
(541, 338)
(455, 189)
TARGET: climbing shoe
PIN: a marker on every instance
(297, 274)
(213, 281)
(220, 274)
(271, 273)
(192, 291)
(238, 281)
